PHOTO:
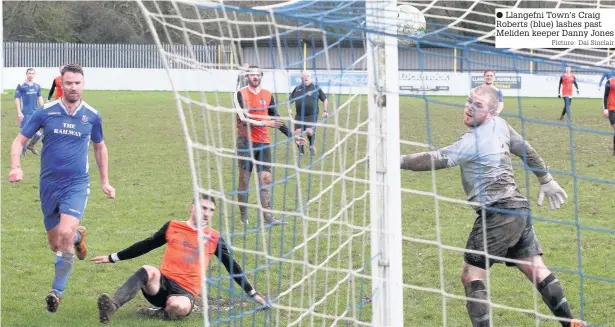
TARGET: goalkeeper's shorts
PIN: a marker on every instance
(510, 234)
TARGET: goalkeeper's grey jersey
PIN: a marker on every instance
(484, 156)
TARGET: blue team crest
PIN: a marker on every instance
(263, 102)
(84, 119)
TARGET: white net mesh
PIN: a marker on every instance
(316, 269)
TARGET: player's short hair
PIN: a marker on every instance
(306, 72)
(206, 197)
(489, 70)
(490, 94)
(72, 68)
(30, 69)
(253, 69)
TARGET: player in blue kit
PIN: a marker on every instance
(68, 125)
(606, 76)
(27, 98)
(489, 78)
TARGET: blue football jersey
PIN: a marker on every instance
(66, 139)
(29, 97)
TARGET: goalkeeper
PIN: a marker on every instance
(174, 287)
(257, 113)
(484, 154)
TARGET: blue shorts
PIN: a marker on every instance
(70, 200)
(25, 120)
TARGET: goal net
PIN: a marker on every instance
(362, 243)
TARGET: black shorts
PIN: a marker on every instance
(612, 117)
(260, 152)
(168, 288)
(304, 122)
(510, 234)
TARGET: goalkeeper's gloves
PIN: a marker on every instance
(554, 193)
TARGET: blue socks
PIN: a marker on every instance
(63, 266)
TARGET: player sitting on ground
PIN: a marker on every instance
(306, 98)
(489, 78)
(254, 143)
(608, 103)
(564, 89)
(27, 99)
(174, 287)
(487, 177)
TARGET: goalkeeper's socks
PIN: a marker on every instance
(311, 139)
(63, 266)
(300, 149)
(553, 295)
(131, 287)
(613, 143)
(478, 311)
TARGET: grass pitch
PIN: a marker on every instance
(149, 168)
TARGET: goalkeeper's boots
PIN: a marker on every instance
(106, 308)
(53, 301)
(81, 249)
(32, 149)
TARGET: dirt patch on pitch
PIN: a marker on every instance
(220, 305)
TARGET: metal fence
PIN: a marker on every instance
(147, 56)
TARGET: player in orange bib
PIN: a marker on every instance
(56, 86)
(608, 104)
(565, 90)
(254, 143)
(174, 287)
